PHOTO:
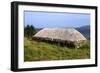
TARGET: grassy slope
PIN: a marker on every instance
(39, 51)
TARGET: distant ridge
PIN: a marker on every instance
(85, 30)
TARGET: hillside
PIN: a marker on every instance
(85, 30)
(41, 51)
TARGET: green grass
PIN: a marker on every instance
(41, 51)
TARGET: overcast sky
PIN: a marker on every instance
(55, 20)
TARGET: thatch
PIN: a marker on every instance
(70, 35)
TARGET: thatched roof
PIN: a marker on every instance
(63, 34)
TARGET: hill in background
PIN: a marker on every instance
(85, 30)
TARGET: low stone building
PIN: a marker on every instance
(69, 37)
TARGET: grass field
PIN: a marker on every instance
(41, 51)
